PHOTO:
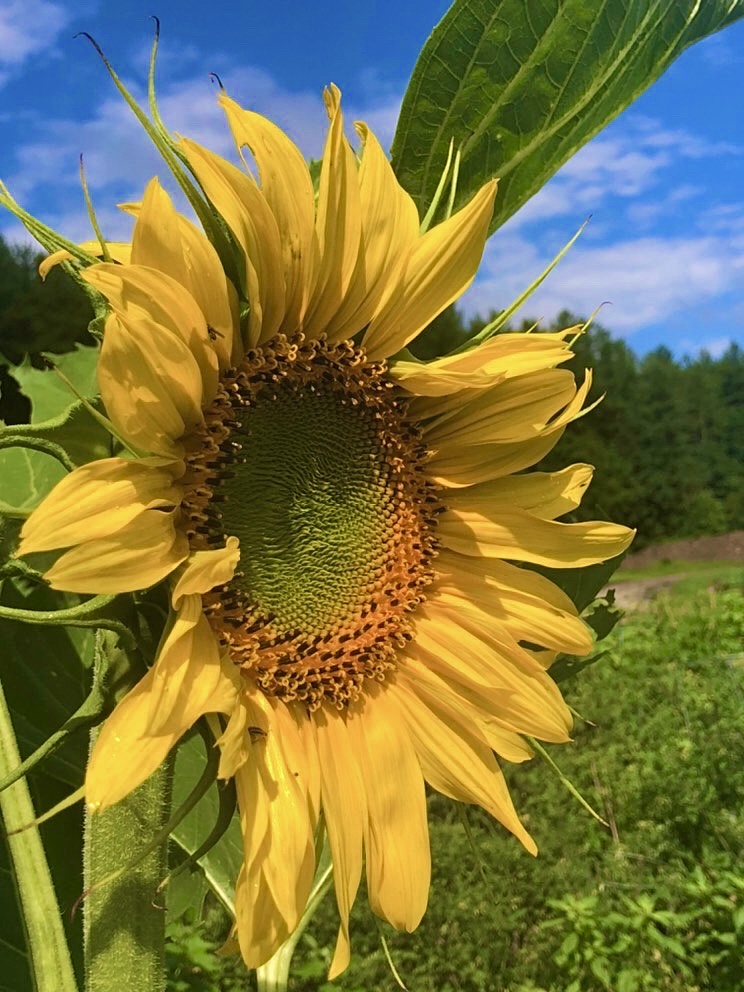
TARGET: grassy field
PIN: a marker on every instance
(652, 901)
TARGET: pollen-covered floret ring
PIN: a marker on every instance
(307, 457)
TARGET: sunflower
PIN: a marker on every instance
(341, 526)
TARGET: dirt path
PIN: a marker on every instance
(636, 593)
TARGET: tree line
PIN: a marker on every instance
(667, 440)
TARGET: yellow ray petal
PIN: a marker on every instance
(288, 189)
(390, 229)
(244, 209)
(165, 240)
(501, 357)
(453, 466)
(150, 384)
(340, 271)
(205, 570)
(546, 494)
(527, 605)
(515, 410)
(188, 671)
(137, 556)
(396, 835)
(138, 294)
(96, 500)
(456, 763)
(118, 250)
(344, 805)
(471, 712)
(126, 752)
(522, 701)
(441, 267)
(520, 536)
(277, 833)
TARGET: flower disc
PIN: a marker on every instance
(308, 458)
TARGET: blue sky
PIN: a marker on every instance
(663, 183)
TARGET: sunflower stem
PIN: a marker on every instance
(124, 922)
(48, 953)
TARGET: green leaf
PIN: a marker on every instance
(581, 585)
(602, 615)
(49, 394)
(46, 672)
(27, 474)
(520, 87)
(221, 864)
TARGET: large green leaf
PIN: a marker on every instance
(58, 418)
(520, 86)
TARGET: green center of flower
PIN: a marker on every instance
(307, 457)
(312, 503)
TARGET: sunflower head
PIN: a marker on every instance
(342, 528)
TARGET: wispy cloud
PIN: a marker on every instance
(27, 27)
(646, 280)
(629, 163)
(119, 156)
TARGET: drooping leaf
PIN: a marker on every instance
(221, 864)
(520, 87)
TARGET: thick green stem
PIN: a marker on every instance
(124, 920)
(48, 953)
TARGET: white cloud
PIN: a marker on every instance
(630, 162)
(647, 280)
(116, 149)
(715, 347)
(27, 27)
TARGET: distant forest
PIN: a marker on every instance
(667, 440)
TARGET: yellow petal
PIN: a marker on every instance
(514, 410)
(288, 189)
(503, 356)
(338, 225)
(520, 536)
(136, 557)
(484, 666)
(344, 807)
(546, 494)
(441, 267)
(245, 211)
(277, 833)
(205, 570)
(188, 671)
(396, 835)
(423, 380)
(455, 762)
(150, 384)
(453, 466)
(165, 240)
(138, 294)
(390, 229)
(126, 752)
(119, 251)
(472, 712)
(96, 500)
(524, 603)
